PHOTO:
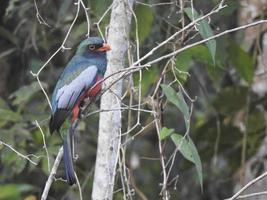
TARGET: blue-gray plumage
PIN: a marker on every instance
(78, 81)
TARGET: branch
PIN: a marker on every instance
(216, 10)
(252, 195)
(100, 20)
(39, 17)
(18, 153)
(62, 46)
(52, 174)
(45, 147)
(203, 41)
(247, 186)
(135, 67)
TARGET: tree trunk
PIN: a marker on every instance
(110, 122)
(249, 11)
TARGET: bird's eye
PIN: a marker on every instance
(91, 47)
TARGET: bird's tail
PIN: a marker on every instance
(67, 156)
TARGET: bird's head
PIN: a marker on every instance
(92, 45)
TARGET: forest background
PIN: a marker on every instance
(193, 122)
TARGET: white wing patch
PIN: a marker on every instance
(68, 95)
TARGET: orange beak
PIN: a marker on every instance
(105, 47)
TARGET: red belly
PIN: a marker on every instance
(96, 88)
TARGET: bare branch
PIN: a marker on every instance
(252, 195)
(79, 186)
(62, 47)
(164, 191)
(221, 6)
(45, 147)
(18, 153)
(39, 17)
(87, 18)
(247, 186)
(101, 18)
(204, 40)
(52, 174)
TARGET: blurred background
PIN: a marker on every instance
(228, 123)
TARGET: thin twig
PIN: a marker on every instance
(135, 68)
(39, 17)
(62, 47)
(252, 182)
(120, 109)
(155, 4)
(79, 186)
(203, 41)
(252, 195)
(216, 10)
(45, 147)
(18, 153)
(101, 18)
(87, 18)
(164, 191)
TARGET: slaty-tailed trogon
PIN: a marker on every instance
(79, 80)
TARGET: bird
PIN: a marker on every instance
(81, 79)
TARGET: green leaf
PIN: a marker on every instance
(13, 191)
(25, 187)
(204, 30)
(183, 146)
(9, 191)
(165, 132)
(11, 158)
(145, 17)
(189, 151)
(199, 53)
(44, 165)
(242, 61)
(232, 6)
(25, 93)
(7, 115)
(197, 161)
(2, 103)
(178, 100)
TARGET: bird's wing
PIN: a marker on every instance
(67, 95)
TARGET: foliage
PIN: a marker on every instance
(242, 61)
(144, 18)
(204, 30)
(178, 101)
(221, 75)
(184, 144)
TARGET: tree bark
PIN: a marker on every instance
(110, 122)
(249, 11)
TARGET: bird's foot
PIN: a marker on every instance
(75, 156)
